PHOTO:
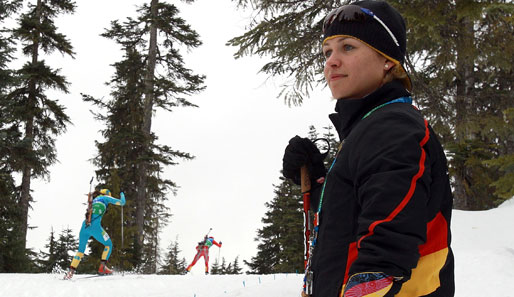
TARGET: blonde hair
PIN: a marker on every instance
(397, 73)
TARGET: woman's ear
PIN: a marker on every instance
(388, 65)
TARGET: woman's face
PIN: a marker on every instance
(352, 69)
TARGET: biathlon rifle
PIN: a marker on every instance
(204, 241)
(89, 203)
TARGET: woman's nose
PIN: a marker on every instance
(333, 61)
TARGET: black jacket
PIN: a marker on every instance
(387, 200)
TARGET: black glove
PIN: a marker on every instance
(299, 152)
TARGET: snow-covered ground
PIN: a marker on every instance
(483, 243)
(36, 285)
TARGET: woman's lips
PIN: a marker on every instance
(337, 76)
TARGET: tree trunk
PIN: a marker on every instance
(29, 137)
(463, 105)
(25, 200)
(147, 125)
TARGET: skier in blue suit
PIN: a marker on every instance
(101, 199)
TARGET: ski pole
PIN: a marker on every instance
(305, 183)
(121, 258)
(305, 188)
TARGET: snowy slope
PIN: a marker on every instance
(483, 243)
(34, 285)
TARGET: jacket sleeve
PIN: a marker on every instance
(214, 242)
(115, 201)
(392, 182)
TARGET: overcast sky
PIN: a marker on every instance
(237, 134)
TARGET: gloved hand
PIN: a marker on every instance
(221, 243)
(122, 198)
(299, 152)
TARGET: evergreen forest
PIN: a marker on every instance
(460, 59)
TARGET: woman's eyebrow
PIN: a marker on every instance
(338, 40)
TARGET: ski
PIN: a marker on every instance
(92, 276)
(85, 276)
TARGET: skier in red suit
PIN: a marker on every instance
(202, 249)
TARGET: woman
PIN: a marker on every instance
(384, 206)
(101, 199)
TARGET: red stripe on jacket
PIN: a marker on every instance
(409, 194)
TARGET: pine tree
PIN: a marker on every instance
(59, 249)
(41, 117)
(117, 156)
(151, 253)
(47, 261)
(173, 264)
(12, 251)
(223, 266)
(67, 244)
(280, 247)
(7, 49)
(130, 159)
(460, 57)
(228, 269)
(216, 268)
(263, 262)
(236, 269)
(504, 164)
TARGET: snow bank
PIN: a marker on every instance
(42, 285)
(483, 243)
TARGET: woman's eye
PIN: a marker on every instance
(327, 53)
(347, 47)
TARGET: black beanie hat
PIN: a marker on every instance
(374, 34)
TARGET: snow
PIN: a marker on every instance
(151, 285)
(483, 245)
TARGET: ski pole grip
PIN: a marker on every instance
(305, 179)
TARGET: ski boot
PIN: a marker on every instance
(103, 269)
(70, 273)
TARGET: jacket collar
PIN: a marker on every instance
(350, 111)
